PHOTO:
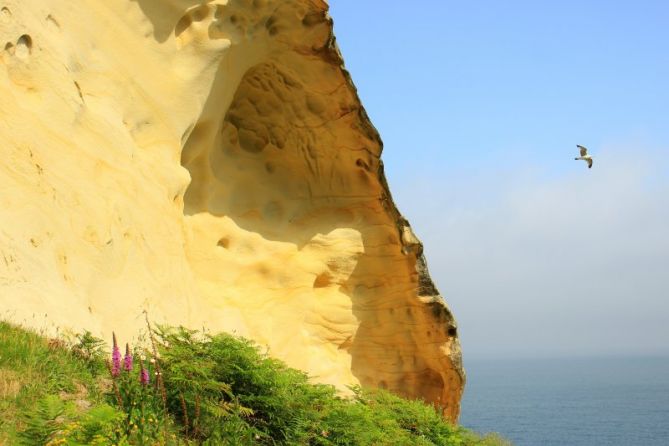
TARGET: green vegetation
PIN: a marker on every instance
(187, 388)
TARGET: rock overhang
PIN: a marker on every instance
(230, 178)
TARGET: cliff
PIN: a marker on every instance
(212, 164)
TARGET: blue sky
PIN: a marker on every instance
(480, 105)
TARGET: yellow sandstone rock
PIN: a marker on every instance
(210, 162)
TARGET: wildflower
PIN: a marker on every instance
(143, 375)
(127, 359)
(116, 358)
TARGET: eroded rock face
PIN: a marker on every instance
(210, 162)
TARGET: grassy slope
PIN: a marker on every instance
(32, 367)
(217, 390)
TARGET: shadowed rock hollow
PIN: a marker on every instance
(210, 162)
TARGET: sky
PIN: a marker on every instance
(480, 106)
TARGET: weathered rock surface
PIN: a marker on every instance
(210, 162)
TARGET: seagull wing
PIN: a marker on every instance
(589, 163)
(584, 151)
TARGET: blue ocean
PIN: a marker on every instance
(570, 402)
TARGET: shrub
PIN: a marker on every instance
(189, 388)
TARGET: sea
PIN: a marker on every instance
(570, 402)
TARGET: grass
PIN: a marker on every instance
(209, 390)
(32, 367)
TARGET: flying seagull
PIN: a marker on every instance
(584, 156)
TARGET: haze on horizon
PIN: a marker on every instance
(480, 107)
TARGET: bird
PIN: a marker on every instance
(584, 156)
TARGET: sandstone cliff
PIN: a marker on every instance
(210, 162)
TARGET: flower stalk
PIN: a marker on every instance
(127, 359)
(116, 358)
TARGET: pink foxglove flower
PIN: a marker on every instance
(116, 358)
(127, 359)
(143, 375)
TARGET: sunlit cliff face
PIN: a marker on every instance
(211, 163)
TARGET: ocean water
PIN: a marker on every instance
(570, 402)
